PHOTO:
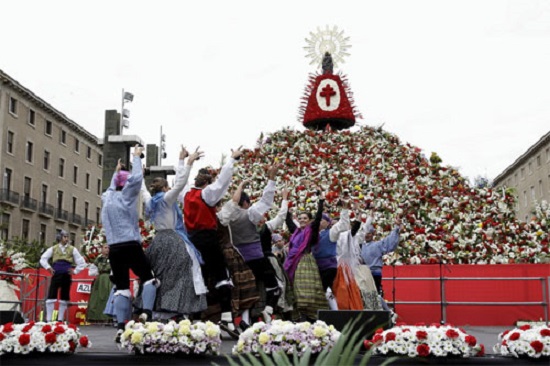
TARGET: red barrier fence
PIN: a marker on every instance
(504, 293)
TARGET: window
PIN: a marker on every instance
(75, 174)
(28, 151)
(97, 214)
(44, 194)
(25, 229)
(548, 154)
(59, 200)
(63, 137)
(4, 226)
(31, 118)
(541, 193)
(76, 145)
(72, 238)
(49, 128)
(42, 234)
(61, 167)
(524, 198)
(7, 179)
(13, 106)
(99, 159)
(46, 160)
(86, 209)
(538, 160)
(516, 178)
(88, 181)
(9, 145)
(99, 187)
(27, 187)
(522, 173)
(533, 197)
(74, 206)
(530, 168)
(88, 152)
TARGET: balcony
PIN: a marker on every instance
(75, 219)
(89, 223)
(45, 209)
(61, 215)
(28, 204)
(10, 197)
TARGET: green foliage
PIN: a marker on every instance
(32, 250)
(345, 352)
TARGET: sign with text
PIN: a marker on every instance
(84, 288)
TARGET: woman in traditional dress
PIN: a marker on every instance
(300, 265)
(173, 259)
(101, 287)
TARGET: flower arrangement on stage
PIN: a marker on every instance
(201, 338)
(55, 337)
(445, 216)
(424, 341)
(286, 336)
(11, 262)
(94, 239)
(525, 341)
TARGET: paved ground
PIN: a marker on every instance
(105, 352)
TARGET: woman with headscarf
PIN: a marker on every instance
(172, 256)
(119, 216)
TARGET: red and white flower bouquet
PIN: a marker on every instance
(424, 341)
(525, 341)
(55, 337)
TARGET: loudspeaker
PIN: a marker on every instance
(369, 320)
(7, 316)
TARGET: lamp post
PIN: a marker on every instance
(162, 149)
(125, 113)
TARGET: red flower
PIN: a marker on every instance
(72, 346)
(471, 340)
(24, 339)
(26, 328)
(481, 351)
(377, 338)
(2, 336)
(46, 328)
(367, 344)
(72, 326)
(514, 336)
(50, 338)
(59, 329)
(420, 334)
(545, 332)
(379, 330)
(423, 350)
(526, 326)
(390, 336)
(8, 327)
(537, 346)
(84, 341)
(451, 333)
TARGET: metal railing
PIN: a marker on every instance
(545, 290)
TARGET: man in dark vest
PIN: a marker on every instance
(65, 261)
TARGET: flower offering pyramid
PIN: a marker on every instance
(445, 217)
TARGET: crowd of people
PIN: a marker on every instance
(220, 256)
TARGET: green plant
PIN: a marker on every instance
(32, 250)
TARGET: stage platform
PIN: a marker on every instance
(105, 352)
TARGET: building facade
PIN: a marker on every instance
(529, 175)
(51, 168)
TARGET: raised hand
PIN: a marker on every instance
(236, 154)
(195, 156)
(272, 171)
(183, 153)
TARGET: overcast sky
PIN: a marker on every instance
(469, 80)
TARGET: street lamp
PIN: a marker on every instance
(162, 150)
(125, 113)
